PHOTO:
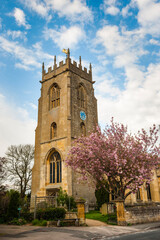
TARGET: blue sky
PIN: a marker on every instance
(120, 38)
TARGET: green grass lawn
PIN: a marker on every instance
(96, 215)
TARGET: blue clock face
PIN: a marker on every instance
(82, 115)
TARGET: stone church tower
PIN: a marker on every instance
(67, 109)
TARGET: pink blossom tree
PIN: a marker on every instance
(116, 156)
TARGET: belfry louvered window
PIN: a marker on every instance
(54, 96)
(81, 97)
(55, 168)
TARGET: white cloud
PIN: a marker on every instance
(110, 7)
(138, 107)
(74, 10)
(16, 127)
(154, 42)
(66, 37)
(125, 11)
(148, 15)
(126, 46)
(137, 102)
(112, 10)
(39, 7)
(27, 58)
(106, 86)
(33, 105)
(17, 34)
(19, 16)
(22, 66)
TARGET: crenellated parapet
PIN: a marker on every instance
(67, 65)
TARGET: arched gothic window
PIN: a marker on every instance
(81, 97)
(148, 192)
(55, 168)
(138, 195)
(53, 130)
(54, 96)
(83, 129)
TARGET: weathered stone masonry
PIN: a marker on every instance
(71, 81)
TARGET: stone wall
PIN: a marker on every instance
(107, 208)
(68, 77)
(142, 213)
(71, 215)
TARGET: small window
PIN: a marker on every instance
(53, 130)
(148, 192)
(54, 96)
(138, 195)
(81, 97)
(113, 192)
(55, 168)
(83, 129)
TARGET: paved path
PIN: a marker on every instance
(10, 232)
(153, 234)
(91, 223)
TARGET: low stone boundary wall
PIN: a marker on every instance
(71, 215)
(142, 214)
(107, 208)
(71, 219)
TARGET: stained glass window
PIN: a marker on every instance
(55, 168)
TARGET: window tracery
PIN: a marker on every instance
(54, 96)
(55, 168)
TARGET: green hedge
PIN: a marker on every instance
(14, 204)
(3, 218)
(17, 221)
(51, 213)
(28, 216)
(37, 222)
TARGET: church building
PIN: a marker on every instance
(67, 109)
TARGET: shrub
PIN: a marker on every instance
(61, 199)
(28, 216)
(65, 200)
(51, 213)
(4, 203)
(112, 217)
(3, 218)
(72, 203)
(17, 221)
(43, 223)
(35, 222)
(60, 213)
(25, 203)
(102, 195)
(14, 197)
